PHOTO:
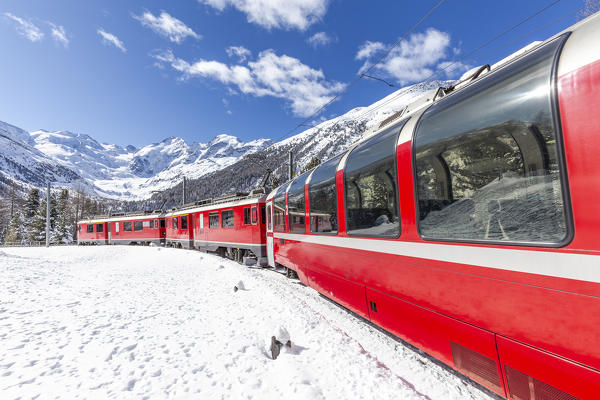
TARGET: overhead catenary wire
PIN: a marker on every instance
(487, 43)
(358, 78)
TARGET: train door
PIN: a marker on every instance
(270, 249)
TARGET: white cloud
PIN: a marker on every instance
(368, 49)
(283, 14)
(167, 26)
(110, 39)
(240, 52)
(26, 28)
(414, 59)
(284, 77)
(59, 34)
(319, 39)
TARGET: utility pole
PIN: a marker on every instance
(48, 215)
(291, 166)
(184, 194)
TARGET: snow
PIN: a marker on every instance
(133, 322)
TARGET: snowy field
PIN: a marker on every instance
(133, 323)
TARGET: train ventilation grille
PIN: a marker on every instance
(476, 365)
(524, 387)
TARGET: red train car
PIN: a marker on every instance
(233, 226)
(469, 227)
(92, 231)
(179, 229)
(132, 228)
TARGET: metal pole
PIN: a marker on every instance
(291, 166)
(48, 215)
(184, 194)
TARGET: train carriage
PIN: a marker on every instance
(233, 226)
(469, 226)
(179, 229)
(132, 228)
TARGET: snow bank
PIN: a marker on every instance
(128, 322)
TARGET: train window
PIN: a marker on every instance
(227, 219)
(269, 228)
(322, 195)
(175, 223)
(162, 224)
(99, 228)
(247, 216)
(487, 164)
(184, 224)
(296, 209)
(138, 225)
(213, 220)
(90, 228)
(263, 215)
(127, 226)
(371, 189)
(279, 209)
(254, 215)
(146, 224)
(152, 224)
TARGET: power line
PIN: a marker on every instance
(355, 80)
(429, 78)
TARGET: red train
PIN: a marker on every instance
(467, 227)
(232, 226)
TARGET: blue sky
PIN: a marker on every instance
(135, 72)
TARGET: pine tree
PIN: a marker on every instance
(37, 229)
(32, 203)
(16, 229)
(63, 228)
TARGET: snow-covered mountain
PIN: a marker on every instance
(108, 170)
(128, 173)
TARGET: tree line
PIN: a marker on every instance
(23, 217)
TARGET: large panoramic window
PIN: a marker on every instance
(296, 210)
(322, 194)
(279, 209)
(487, 162)
(371, 188)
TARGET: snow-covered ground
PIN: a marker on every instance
(130, 322)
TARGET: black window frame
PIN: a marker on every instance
(399, 126)
(263, 215)
(560, 156)
(100, 228)
(88, 228)
(126, 224)
(337, 216)
(225, 219)
(138, 226)
(162, 223)
(247, 216)
(183, 222)
(212, 223)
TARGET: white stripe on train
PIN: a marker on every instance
(583, 267)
